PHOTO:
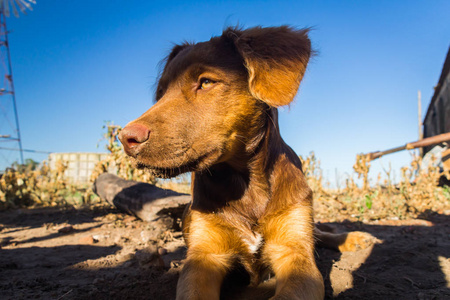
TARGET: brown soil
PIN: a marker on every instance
(100, 253)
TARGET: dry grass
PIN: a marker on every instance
(29, 187)
(416, 194)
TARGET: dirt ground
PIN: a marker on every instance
(100, 253)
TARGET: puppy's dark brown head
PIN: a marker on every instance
(213, 97)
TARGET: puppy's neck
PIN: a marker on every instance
(246, 179)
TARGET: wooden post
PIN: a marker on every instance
(432, 140)
(419, 100)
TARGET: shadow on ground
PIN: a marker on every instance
(412, 262)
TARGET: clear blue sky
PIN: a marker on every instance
(77, 64)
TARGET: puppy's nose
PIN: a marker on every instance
(132, 136)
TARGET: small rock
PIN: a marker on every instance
(162, 251)
(4, 242)
(98, 280)
(129, 219)
(149, 256)
(128, 264)
(65, 230)
(174, 264)
(87, 240)
(126, 257)
(146, 255)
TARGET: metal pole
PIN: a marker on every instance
(13, 93)
(419, 104)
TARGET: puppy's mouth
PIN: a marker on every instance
(194, 165)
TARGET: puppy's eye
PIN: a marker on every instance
(205, 83)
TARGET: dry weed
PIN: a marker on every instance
(313, 172)
(24, 186)
(416, 194)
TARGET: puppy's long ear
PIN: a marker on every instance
(276, 59)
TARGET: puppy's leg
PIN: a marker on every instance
(202, 276)
(212, 249)
(346, 241)
(289, 249)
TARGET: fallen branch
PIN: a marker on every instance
(142, 200)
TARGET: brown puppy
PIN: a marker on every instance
(216, 116)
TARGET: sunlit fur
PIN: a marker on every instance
(251, 205)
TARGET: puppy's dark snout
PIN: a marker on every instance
(132, 136)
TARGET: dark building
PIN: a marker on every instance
(437, 119)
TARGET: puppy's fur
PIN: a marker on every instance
(216, 116)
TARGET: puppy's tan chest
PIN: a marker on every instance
(253, 242)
